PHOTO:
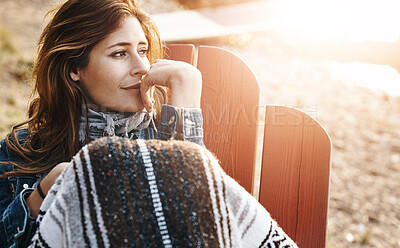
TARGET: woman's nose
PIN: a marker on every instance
(140, 66)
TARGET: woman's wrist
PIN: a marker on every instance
(183, 103)
(34, 201)
(40, 191)
(186, 91)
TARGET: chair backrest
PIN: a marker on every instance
(230, 101)
(296, 156)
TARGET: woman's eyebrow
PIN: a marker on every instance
(127, 44)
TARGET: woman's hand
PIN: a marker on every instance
(182, 79)
(34, 200)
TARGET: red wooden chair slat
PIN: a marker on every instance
(180, 52)
(314, 185)
(295, 174)
(230, 100)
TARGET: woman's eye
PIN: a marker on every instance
(143, 51)
(119, 54)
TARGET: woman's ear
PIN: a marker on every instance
(75, 75)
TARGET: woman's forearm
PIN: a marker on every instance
(34, 201)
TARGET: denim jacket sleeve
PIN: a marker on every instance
(181, 124)
(16, 224)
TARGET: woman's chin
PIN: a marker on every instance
(117, 107)
(127, 108)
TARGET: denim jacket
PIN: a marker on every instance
(16, 224)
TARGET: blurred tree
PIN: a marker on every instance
(6, 46)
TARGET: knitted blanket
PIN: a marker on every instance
(123, 193)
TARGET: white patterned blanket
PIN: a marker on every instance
(122, 193)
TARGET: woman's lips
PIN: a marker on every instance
(132, 87)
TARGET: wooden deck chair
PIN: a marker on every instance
(296, 151)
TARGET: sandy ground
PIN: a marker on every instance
(362, 123)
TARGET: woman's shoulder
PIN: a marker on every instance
(4, 157)
(6, 154)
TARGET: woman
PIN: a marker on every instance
(96, 75)
(92, 78)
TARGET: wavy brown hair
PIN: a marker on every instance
(54, 113)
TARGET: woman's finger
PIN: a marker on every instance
(155, 76)
(146, 92)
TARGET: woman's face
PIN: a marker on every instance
(116, 67)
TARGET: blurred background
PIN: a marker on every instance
(338, 60)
